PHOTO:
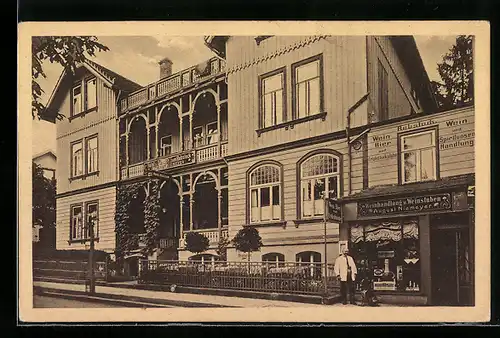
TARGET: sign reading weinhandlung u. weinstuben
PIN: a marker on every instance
(426, 203)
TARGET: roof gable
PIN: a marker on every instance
(45, 153)
(109, 77)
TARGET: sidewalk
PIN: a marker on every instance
(169, 298)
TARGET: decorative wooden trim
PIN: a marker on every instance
(260, 93)
(291, 124)
(318, 57)
(92, 124)
(298, 174)
(247, 191)
(284, 50)
(434, 128)
(264, 224)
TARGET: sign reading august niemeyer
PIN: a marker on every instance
(425, 203)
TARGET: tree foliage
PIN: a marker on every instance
(66, 51)
(196, 242)
(457, 75)
(152, 217)
(44, 198)
(247, 240)
(222, 248)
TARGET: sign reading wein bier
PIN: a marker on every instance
(334, 210)
(173, 161)
(426, 203)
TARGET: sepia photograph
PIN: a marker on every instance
(324, 171)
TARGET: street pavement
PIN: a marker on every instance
(53, 302)
(174, 298)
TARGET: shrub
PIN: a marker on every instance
(196, 242)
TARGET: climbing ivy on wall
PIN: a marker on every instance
(127, 240)
(152, 217)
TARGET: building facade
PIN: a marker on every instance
(295, 101)
(87, 145)
(267, 134)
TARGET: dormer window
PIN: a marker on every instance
(84, 96)
(77, 100)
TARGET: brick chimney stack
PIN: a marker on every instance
(165, 68)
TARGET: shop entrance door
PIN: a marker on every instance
(451, 267)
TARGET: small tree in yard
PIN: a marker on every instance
(196, 242)
(247, 240)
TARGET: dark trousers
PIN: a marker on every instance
(347, 287)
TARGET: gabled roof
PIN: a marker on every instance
(111, 78)
(46, 152)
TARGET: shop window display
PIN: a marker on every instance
(387, 252)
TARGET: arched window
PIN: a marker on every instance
(309, 263)
(273, 258)
(319, 175)
(265, 193)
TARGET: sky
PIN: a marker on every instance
(136, 58)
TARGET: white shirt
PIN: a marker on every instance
(341, 267)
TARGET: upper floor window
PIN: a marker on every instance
(205, 134)
(77, 159)
(319, 175)
(272, 98)
(83, 96)
(265, 194)
(418, 157)
(91, 146)
(84, 164)
(91, 90)
(77, 100)
(307, 87)
(383, 94)
(166, 145)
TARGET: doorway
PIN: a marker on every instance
(451, 264)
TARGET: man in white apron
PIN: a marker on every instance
(345, 270)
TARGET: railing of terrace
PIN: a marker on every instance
(277, 277)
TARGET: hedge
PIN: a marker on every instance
(99, 255)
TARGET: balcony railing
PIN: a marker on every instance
(211, 234)
(172, 83)
(198, 155)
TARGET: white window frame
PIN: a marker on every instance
(317, 206)
(165, 146)
(308, 94)
(277, 114)
(76, 230)
(212, 138)
(199, 141)
(77, 159)
(275, 211)
(418, 157)
(80, 109)
(87, 215)
(94, 156)
(87, 91)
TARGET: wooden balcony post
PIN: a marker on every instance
(148, 151)
(157, 124)
(219, 212)
(191, 204)
(181, 137)
(181, 221)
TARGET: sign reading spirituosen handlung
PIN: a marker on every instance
(426, 203)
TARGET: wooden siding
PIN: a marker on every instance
(344, 83)
(106, 215)
(101, 122)
(380, 48)
(291, 233)
(454, 159)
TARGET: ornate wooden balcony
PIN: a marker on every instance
(177, 81)
(200, 154)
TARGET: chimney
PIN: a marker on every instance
(165, 68)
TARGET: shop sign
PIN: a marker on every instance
(173, 161)
(471, 191)
(334, 210)
(384, 286)
(426, 203)
(385, 254)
